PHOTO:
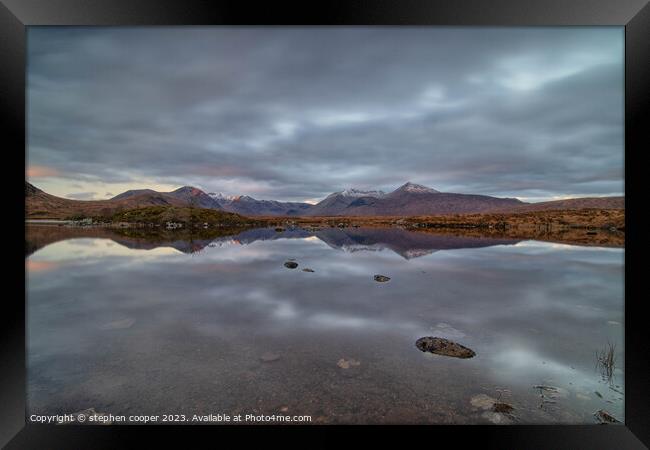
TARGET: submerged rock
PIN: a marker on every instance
(290, 265)
(483, 401)
(269, 357)
(444, 347)
(307, 269)
(543, 387)
(502, 407)
(347, 363)
(381, 278)
(605, 418)
(119, 324)
(493, 410)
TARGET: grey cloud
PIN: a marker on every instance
(82, 195)
(296, 113)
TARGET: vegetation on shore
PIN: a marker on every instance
(610, 219)
(552, 220)
(584, 226)
(604, 227)
(185, 216)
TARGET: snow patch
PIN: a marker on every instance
(357, 193)
(417, 189)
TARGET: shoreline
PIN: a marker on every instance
(576, 236)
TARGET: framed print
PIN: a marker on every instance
(401, 217)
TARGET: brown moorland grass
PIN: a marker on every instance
(602, 227)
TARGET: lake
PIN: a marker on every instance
(127, 323)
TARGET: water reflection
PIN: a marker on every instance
(407, 244)
(120, 328)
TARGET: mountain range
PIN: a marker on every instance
(409, 199)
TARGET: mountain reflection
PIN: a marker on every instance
(408, 244)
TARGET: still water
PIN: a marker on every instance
(220, 326)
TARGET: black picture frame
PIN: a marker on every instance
(634, 15)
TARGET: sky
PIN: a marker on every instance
(296, 113)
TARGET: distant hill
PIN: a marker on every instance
(574, 203)
(41, 205)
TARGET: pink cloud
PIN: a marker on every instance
(41, 172)
(39, 266)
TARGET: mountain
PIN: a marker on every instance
(336, 204)
(187, 195)
(195, 197)
(133, 193)
(412, 188)
(409, 199)
(218, 196)
(356, 193)
(248, 206)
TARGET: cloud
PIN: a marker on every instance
(82, 195)
(296, 113)
(41, 172)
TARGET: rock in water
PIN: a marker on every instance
(502, 407)
(604, 417)
(381, 278)
(444, 347)
(307, 269)
(290, 265)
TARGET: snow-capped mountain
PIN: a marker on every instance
(219, 196)
(409, 199)
(356, 193)
(414, 188)
(248, 206)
